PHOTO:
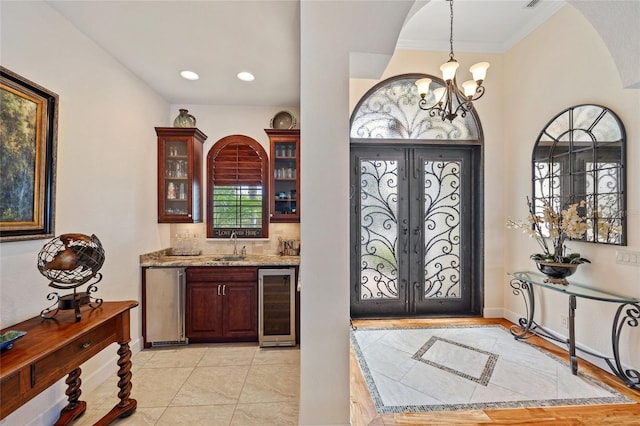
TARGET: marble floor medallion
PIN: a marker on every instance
(411, 370)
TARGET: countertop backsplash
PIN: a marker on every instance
(192, 238)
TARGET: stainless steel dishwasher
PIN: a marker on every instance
(165, 306)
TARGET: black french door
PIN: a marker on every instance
(415, 230)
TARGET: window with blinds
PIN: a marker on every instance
(237, 171)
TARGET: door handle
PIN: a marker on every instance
(417, 232)
(405, 231)
(219, 290)
(224, 289)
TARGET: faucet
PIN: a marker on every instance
(234, 239)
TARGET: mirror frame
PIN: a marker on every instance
(581, 155)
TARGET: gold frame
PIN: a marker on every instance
(28, 153)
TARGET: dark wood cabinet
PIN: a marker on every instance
(180, 174)
(285, 174)
(222, 304)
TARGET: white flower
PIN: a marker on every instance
(556, 227)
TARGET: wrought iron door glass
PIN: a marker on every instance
(415, 276)
(442, 229)
(409, 235)
(378, 229)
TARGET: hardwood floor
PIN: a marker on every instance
(363, 412)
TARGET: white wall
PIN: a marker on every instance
(106, 178)
(565, 63)
(329, 31)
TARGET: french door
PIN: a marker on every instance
(415, 230)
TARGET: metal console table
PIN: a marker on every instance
(628, 313)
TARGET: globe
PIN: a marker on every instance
(71, 260)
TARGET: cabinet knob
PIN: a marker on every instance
(85, 345)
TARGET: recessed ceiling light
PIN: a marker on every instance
(246, 76)
(189, 75)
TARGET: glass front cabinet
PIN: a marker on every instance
(180, 174)
(285, 174)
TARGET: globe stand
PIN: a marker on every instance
(69, 261)
(72, 301)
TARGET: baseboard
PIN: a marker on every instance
(493, 312)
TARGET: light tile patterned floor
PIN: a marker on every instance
(455, 368)
(226, 384)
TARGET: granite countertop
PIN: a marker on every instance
(166, 259)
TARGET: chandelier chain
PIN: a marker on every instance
(451, 30)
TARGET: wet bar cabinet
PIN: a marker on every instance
(180, 174)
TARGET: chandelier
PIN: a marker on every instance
(450, 95)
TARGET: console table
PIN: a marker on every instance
(53, 348)
(627, 313)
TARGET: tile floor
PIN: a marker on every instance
(427, 369)
(207, 384)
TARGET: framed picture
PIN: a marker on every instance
(28, 137)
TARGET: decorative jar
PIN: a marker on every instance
(184, 119)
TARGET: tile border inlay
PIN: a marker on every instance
(487, 371)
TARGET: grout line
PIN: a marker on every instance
(235, 407)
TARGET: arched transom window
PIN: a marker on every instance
(390, 111)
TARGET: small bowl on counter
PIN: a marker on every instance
(7, 339)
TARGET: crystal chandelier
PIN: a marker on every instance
(450, 95)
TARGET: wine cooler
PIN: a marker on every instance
(276, 307)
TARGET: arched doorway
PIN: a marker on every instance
(416, 207)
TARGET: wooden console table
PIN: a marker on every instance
(628, 313)
(53, 348)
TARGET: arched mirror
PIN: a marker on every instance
(580, 155)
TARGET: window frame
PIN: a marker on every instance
(224, 145)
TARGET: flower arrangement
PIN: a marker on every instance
(554, 226)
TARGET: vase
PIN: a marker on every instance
(184, 119)
(557, 272)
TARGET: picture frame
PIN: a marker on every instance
(28, 142)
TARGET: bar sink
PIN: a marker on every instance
(230, 257)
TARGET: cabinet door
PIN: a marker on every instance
(240, 310)
(179, 174)
(204, 311)
(285, 175)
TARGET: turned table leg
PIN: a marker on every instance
(127, 405)
(75, 408)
